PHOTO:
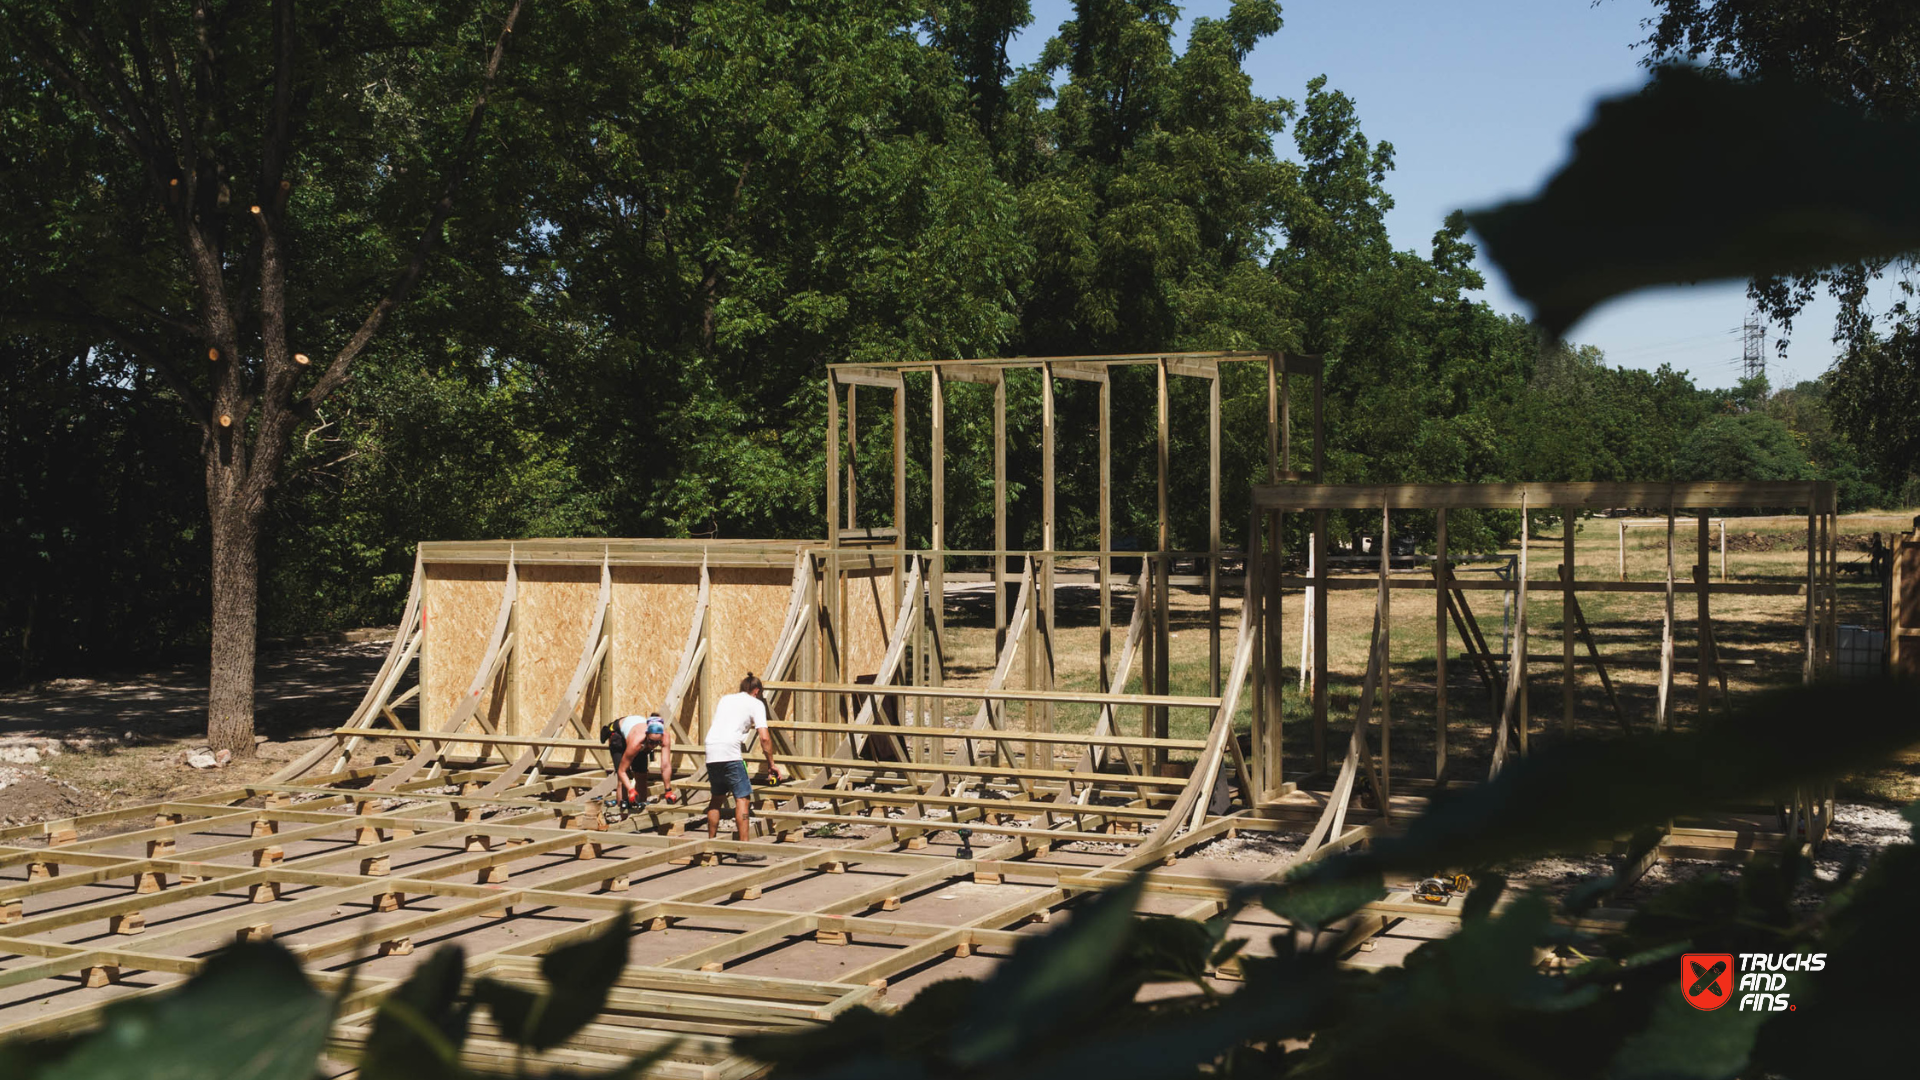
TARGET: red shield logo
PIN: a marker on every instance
(1706, 979)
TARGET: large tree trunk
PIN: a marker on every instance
(236, 586)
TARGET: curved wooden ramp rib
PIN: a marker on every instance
(844, 749)
(692, 655)
(406, 645)
(433, 752)
(591, 654)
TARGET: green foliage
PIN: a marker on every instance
(251, 1014)
(1743, 446)
(1476, 1002)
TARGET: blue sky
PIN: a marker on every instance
(1481, 100)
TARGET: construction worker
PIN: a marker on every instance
(735, 718)
(630, 739)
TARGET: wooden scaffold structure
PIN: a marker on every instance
(930, 822)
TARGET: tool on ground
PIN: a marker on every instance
(1438, 890)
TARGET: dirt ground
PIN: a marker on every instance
(72, 746)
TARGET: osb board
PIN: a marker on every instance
(870, 607)
(651, 611)
(551, 619)
(745, 610)
(458, 605)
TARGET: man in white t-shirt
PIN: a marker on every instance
(735, 718)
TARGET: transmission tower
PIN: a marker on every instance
(1753, 351)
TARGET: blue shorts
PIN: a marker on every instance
(728, 780)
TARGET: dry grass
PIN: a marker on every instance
(1760, 637)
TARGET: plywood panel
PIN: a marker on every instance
(551, 619)
(651, 609)
(870, 610)
(745, 611)
(457, 608)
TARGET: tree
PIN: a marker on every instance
(217, 191)
(734, 196)
(1864, 53)
(1743, 446)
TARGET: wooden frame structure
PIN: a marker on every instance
(1803, 813)
(1903, 623)
(521, 649)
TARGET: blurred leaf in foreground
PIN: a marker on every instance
(1699, 177)
(250, 1014)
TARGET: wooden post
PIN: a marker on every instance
(1623, 550)
(1162, 674)
(1831, 593)
(1045, 592)
(1149, 645)
(1273, 422)
(829, 601)
(1213, 533)
(1319, 635)
(1442, 582)
(1269, 654)
(1520, 627)
(1567, 677)
(1813, 587)
(999, 509)
(1253, 616)
(853, 458)
(1700, 571)
(1723, 549)
(1663, 704)
(1386, 662)
(900, 492)
(1275, 704)
(937, 562)
(1106, 532)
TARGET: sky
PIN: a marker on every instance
(1481, 100)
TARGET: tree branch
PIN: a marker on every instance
(342, 363)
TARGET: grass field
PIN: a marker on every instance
(1759, 637)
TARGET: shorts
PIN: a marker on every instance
(728, 780)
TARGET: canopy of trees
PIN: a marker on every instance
(672, 216)
(1863, 54)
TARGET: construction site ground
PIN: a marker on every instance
(116, 740)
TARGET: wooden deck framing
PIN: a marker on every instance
(1805, 813)
(489, 829)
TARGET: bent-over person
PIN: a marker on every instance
(630, 739)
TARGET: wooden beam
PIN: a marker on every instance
(1663, 704)
(1705, 494)
(1048, 420)
(1701, 615)
(1567, 604)
(1319, 638)
(999, 511)
(1213, 538)
(937, 562)
(1162, 662)
(867, 376)
(1442, 572)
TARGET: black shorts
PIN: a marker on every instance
(617, 746)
